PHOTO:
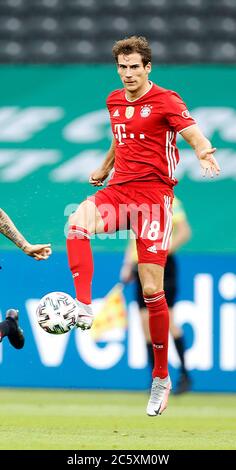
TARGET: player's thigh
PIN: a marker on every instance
(109, 203)
(153, 227)
(88, 216)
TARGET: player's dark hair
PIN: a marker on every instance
(131, 45)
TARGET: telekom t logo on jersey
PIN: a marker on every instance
(120, 133)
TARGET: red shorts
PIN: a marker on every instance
(144, 207)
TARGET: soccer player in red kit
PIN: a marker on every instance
(143, 156)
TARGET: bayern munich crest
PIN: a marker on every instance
(145, 110)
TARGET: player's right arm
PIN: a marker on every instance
(98, 176)
(9, 230)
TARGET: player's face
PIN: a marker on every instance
(133, 74)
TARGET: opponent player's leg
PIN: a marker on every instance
(184, 381)
(82, 224)
(151, 277)
(170, 287)
(10, 328)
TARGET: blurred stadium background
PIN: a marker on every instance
(56, 72)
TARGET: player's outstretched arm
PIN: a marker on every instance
(203, 150)
(9, 230)
(38, 252)
(98, 176)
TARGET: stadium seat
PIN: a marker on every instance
(79, 26)
(193, 6)
(223, 52)
(152, 26)
(223, 7)
(12, 7)
(42, 27)
(11, 27)
(153, 6)
(79, 51)
(160, 52)
(116, 7)
(12, 52)
(44, 51)
(82, 7)
(115, 27)
(222, 27)
(46, 7)
(181, 30)
(186, 52)
(184, 26)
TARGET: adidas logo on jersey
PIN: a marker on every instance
(116, 113)
(152, 249)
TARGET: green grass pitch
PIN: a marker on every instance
(65, 419)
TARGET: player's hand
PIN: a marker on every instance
(38, 252)
(208, 163)
(97, 177)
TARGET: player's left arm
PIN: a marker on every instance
(9, 230)
(203, 149)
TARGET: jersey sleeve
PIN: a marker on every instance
(176, 112)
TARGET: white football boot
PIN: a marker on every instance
(159, 396)
(85, 316)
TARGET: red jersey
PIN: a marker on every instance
(145, 134)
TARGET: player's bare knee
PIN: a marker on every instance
(150, 289)
(78, 218)
(84, 216)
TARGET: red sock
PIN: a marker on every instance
(159, 331)
(80, 261)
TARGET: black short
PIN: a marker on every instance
(170, 284)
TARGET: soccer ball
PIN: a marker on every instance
(57, 313)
